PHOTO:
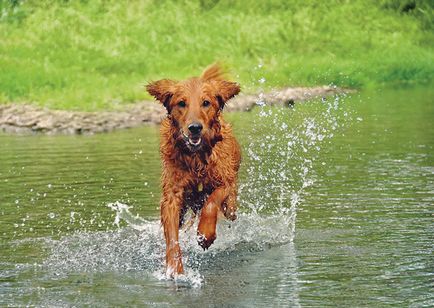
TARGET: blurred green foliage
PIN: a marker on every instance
(91, 55)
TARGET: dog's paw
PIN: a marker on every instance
(174, 268)
(230, 212)
(174, 262)
(231, 215)
(205, 241)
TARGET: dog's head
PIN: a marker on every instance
(194, 105)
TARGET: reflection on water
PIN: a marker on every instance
(357, 173)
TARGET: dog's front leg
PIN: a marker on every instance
(206, 230)
(230, 204)
(170, 209)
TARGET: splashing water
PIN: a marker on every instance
(276, 183)
(140, 246)
(269, 197)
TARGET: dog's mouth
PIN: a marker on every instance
(192, 142)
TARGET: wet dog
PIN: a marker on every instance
(200, 155)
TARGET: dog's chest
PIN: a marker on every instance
(201, 173)
(196, 167)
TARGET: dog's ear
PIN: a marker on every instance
(162, 90)
(225, 91)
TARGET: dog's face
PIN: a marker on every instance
(194, 105)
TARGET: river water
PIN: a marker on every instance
(336, 209)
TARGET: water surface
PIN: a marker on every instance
(336, 203)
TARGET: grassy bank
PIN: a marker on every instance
(91, 55)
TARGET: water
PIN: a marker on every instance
(337, 210)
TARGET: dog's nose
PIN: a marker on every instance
(195, 128)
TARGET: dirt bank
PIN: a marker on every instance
(22, 118)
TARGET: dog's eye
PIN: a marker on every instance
(206, 103)
(181, 104)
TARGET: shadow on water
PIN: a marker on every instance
(356, 174)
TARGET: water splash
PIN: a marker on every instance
(140, 246)
(295, 136)
(123, 212)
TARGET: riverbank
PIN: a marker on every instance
(30, 119)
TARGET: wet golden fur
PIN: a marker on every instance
(201, 177)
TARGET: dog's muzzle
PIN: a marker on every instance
(192, 142)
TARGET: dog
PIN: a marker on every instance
(200, 157)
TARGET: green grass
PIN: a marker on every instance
(93, 55)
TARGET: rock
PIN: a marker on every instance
(24, 118)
